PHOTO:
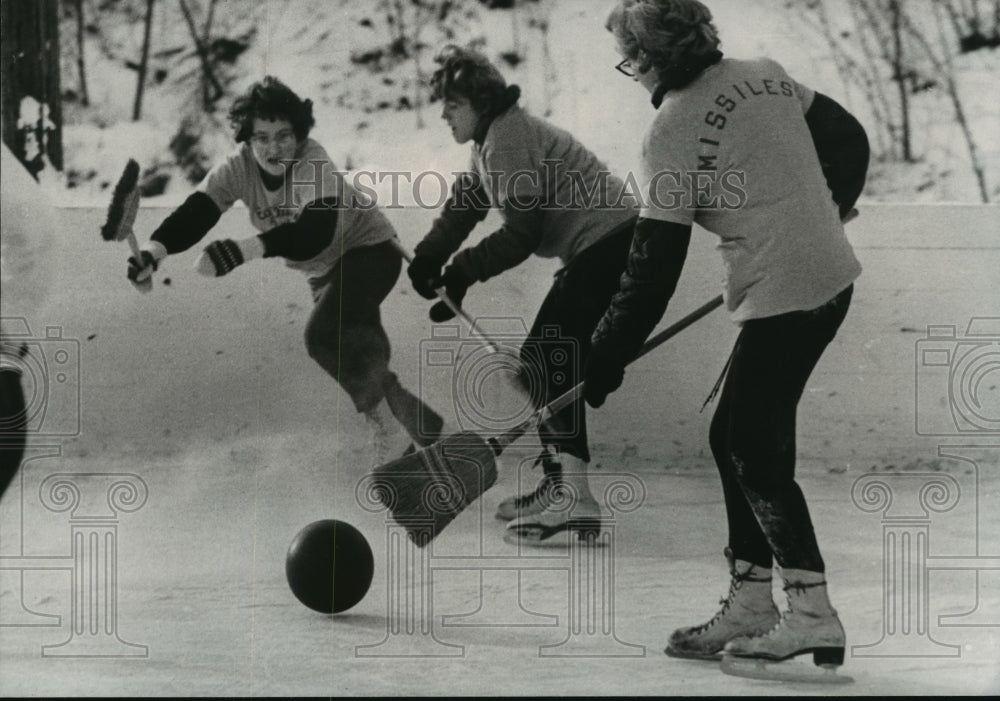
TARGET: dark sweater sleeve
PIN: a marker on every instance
(505, 248)
(843, 149)
(466, 207)
(654, 266)
(188, 224)
(306, 237)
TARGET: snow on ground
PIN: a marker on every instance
(577, 89)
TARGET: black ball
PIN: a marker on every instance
(329, 566)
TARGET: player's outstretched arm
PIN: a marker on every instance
(300, 240)
(182, 229)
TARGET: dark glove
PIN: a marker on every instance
(140, 272)
(425, 273)
(456, 284)
(219, 258)
(602, 376)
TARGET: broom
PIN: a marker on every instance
(123, 209)
(425, 490)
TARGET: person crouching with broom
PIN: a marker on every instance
(536, 175)
(308, 215)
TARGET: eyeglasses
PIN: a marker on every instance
(282, 138)
(625, 68)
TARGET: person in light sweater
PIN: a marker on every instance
(309, 215)
(557, 200)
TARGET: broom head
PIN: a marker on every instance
(424, 491)
(124, 205)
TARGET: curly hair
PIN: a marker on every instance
(466, 73)
(660, 34)
(270, 99)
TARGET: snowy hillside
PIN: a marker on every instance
(368, 94)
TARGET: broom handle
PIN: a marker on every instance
(134, 246)
(461, 313)
(498, 443)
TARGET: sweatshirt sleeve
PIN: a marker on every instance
(466, 207)
(307, 236)
(505, 248)
(188, 224)
(654, 266)
(843, 149)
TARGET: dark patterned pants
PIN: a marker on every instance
(753, 434)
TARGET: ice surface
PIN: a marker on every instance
(203, 393)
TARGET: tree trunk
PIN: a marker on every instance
(899, 76)
(975, 162)
(81, 63)
(143, 62)
(868, 81)
(206, 62)
(206, 40)
(30, 98)
(946, 70)
(543, 16)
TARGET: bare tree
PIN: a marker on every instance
(408, 21)
(899, 77)
(882, 26)
(143, 62)
(945, 68)
(888, 42)
(859, 69)
(81, 65)
(206, 40)
(873, 86)
(541, 20)
(206, 63)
